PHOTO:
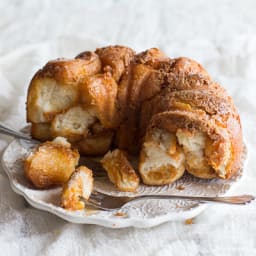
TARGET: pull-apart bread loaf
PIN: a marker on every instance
(169, 112)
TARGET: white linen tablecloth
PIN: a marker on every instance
(219, 34)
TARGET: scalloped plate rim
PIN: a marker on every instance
(108, 222)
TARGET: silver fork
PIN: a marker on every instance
(25, 140)
(108, 203)
(8, 131)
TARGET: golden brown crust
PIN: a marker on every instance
(129, 105)
(219, 108)
(120, 171)
(50, 164)
(152, 57)
(70, 71)
(115, 59)
(142, 81)
(99, 91)
(92, 62)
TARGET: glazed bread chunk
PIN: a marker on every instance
(79, 185)
(51, 163)
(120, 171)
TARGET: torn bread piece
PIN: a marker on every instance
(161, 159)
(51, 163)
(55, 87)
(73, 124)
(207, 148)
(79, 185)
(194, 144)
(120, 171)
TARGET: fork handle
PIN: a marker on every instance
(241, 199)
(7, 131)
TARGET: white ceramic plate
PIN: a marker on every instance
(144, 213)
